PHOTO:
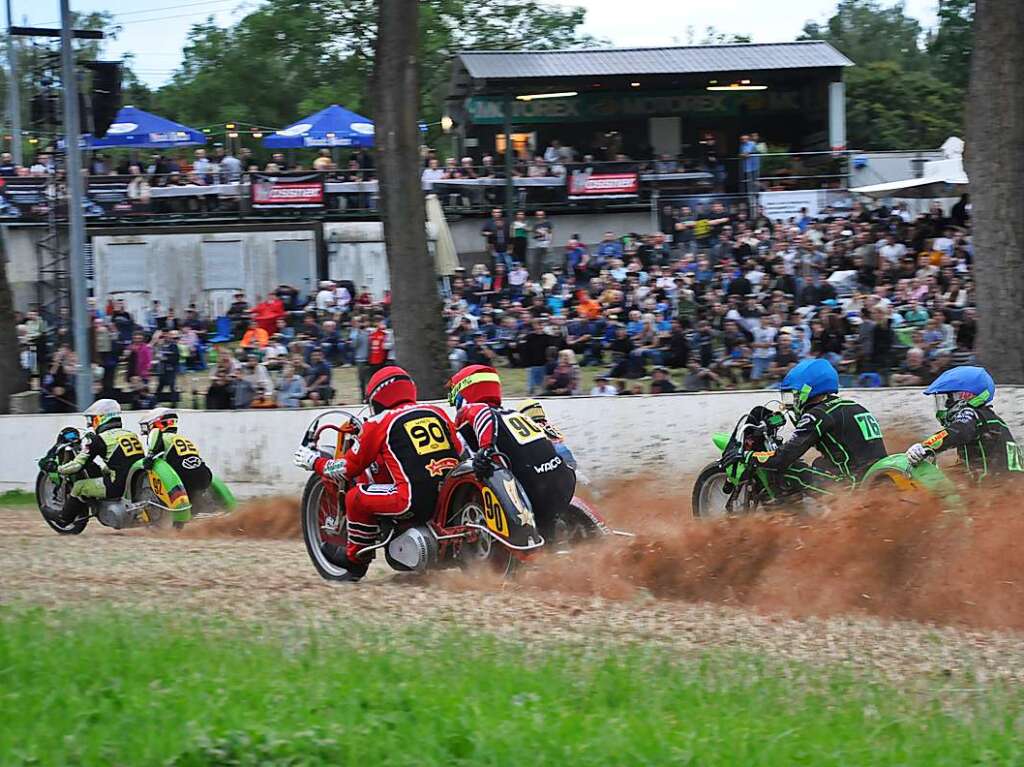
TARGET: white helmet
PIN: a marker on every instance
(160, 418)
(101, 412)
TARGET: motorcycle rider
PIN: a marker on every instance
(844, 432)
(160, 430)
(532, 409)
(413, 444)
(107, 446)
(488, 428)
(963, 406)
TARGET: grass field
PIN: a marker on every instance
(95, 688)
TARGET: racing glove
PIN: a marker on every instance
(483, 466)
(917, 453)
(147, 462)
(304, 458)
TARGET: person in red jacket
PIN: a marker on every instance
(488, 428)
(409, 448)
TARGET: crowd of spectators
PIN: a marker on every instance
(727, 297)
(720, 298)
(278, 353)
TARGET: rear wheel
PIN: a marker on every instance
(574, 527)
(485, 552)
(57, 506)
(709, 493)
(323, 521)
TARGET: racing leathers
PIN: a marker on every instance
(183, 456)
(848, 437)
(117, 448)
(407, 450)
(981, 439)
(547, 479)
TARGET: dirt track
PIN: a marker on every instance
(220, 571)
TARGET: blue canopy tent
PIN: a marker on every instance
(330, 127)
(134, 128)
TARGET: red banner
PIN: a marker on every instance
(272, 191)
(588, 184)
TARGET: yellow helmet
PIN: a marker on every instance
(533, 410)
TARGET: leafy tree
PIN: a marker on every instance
(868, 32)
(317, 52)
(949, 49)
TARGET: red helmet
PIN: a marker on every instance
(475, 383)
(389, 387)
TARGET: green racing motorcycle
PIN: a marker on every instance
(737, 484)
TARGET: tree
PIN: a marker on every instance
(949, 49)
(891, 108)
(416, 303)
(995, 165)
(867, 32)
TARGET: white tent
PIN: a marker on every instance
(940, 178)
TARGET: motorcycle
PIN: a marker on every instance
(476, 523)
(154, 496)
(737, 483)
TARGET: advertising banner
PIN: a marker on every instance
(782, 206)
(589, 184)
(270, 191)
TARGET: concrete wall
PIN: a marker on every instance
(22, 262)
(356, 251)
(611, 436)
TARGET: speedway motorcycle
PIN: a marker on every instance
(476, 522)
(737, 484)
(154, 496)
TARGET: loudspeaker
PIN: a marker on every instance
(104, 94)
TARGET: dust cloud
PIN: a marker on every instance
(269, 518)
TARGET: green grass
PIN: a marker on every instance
(130, 689)
(17, 498)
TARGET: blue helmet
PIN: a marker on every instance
(809, 379)
(971, 379)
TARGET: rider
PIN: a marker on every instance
(532, 409)
(160, 429)
(413, 445)
(488, 428)
(963, 406)
(844, 432)
(107, 441)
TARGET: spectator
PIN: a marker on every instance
(542, 239)
(662, 383)
(255, 337)
(564, 379)
(603, 388)
(318, 380)
(140, 357)
(291, 388)
(457, 357)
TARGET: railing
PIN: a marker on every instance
(462, 188)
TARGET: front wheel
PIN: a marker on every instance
(323, 521)
(710, 493)
(485, 552)
(56, 505)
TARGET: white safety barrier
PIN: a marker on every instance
(611, 436)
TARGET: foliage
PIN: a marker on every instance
(292, 57)
(907, 88)
(118, 688)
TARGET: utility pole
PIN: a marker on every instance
(76, 220)
(13, 97)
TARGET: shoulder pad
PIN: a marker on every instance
(808, 419)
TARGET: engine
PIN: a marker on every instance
(414, 549)
(114, 514)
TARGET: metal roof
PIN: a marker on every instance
(597, 62)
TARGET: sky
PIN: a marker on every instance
(155, 31)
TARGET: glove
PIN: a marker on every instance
(305, 458)
(48, 465)
(147, 462)
(482, 465)
(917, 453)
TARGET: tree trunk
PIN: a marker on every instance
(12, 380)
(415, 301)
(995, 165)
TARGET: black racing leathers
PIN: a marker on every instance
(183, 456)
(981, 439)
(844, 432)
(548, 481)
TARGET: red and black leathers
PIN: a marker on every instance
(547, 479)
(407, 451)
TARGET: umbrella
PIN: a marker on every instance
(333, 126)
(134, 128)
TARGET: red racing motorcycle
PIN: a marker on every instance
(476, 523)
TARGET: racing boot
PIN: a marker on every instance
(355, 569)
